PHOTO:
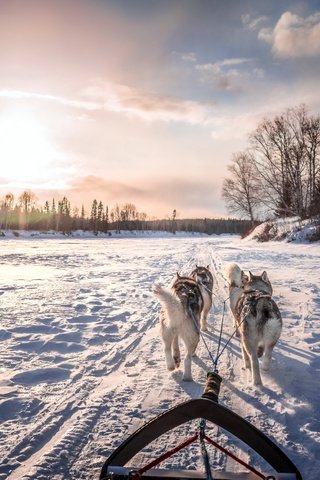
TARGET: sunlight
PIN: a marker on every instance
(26, 152)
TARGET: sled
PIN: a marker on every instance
(208, 409)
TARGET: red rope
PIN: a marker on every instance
(166, 455)
(244, 464)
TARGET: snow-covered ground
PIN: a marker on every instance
(82, 365)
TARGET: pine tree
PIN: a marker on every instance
(94, 217)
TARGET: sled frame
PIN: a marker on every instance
(217, 414)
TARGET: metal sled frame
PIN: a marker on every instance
(210, 410)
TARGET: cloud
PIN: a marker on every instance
(189, 57)
(226, 74)
(147, 106)
(21, 95)
(156, 197)
(294, 36)
(252, 22)
(122, 99)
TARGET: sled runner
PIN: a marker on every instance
(208, 409)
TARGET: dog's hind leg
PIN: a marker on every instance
(176, 351)
(190, 347)
(255, 370)
(267, 356)
(245, 356)
(167, 337)
(187, 376)
(250, 345)
(203, 320)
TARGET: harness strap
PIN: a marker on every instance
(203, 449)
(200, 333)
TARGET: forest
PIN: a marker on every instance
(24, 213)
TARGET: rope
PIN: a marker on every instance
(220, 336)
(200, 333)
(203, 449)
(227, 343)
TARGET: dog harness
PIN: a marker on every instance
(249, 300)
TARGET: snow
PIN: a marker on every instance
(291, 229)
(82, 364)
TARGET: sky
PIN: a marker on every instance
(145, 101)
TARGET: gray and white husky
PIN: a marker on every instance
(203, 276)
(182, 305)
(257, 316)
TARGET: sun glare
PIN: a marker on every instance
(26, 152)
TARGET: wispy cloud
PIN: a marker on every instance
(252, 22)
(294, 36)
(148, 106)
(21, 95)
(225, 73)
(189, 57)
(125, 100)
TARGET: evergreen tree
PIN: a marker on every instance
(94, 217)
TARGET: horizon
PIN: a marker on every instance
(145, 102)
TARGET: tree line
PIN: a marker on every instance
(279, 173)
(24, 213)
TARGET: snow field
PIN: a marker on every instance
(82, 364)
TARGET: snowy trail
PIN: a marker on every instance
(82, 365)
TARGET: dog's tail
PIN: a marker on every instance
(234, 274)
(164, 295)
(267, 310)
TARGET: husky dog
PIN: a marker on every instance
(257, 317)
(203, 277)
(237, 280)
(182, 305)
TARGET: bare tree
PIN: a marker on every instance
(27, 201)
(7, 206)
(240, 190)
(287, 155)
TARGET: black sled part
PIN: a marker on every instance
(210, 410)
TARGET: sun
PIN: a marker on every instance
(26, 150)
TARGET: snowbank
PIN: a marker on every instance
(291, 229)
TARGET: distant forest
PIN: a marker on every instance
(25, 214)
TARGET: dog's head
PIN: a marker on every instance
(202, 275)
(188, 292)
(258, 282)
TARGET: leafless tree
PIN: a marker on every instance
(287, 156)
(240, 189)
(27, 201)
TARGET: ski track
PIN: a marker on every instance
(82, 365)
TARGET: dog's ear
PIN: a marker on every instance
(244, 278)
(197, 266)
(264, 276)
(178, 276)
(250, 276)
(208, 267)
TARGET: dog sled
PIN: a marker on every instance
(206, 409)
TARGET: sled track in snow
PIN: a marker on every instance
(120, 384)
